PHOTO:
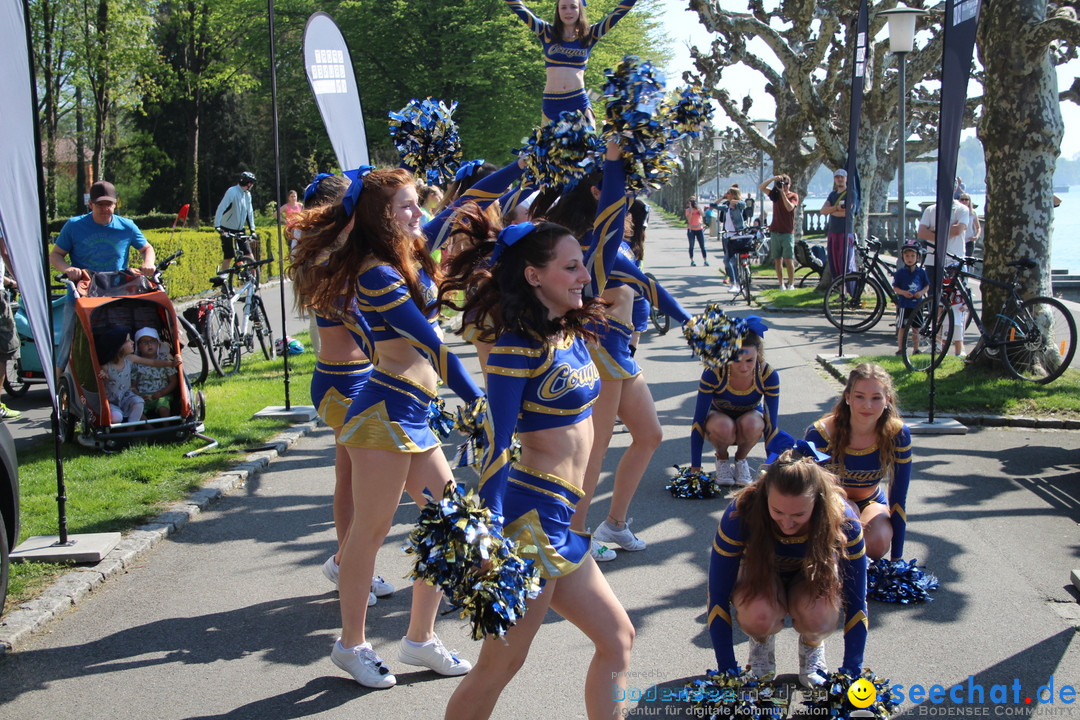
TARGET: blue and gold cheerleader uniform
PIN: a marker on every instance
(789, 556)
(715, 394)
(573, 54)
(530, 388)
(862, 469)
(333, 384)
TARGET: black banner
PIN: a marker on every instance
(858, 80)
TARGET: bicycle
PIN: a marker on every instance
(228, 334)
(1035, 339)
(193, 351)
(860, 305)
(243, 244)
(660, 319)
(746, 246)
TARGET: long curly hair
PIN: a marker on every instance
(498, 299)
(793, 475)
(373, 235)
(888, 425)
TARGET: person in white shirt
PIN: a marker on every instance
(959, 219)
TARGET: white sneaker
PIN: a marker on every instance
(724, 476)
(601, 553)
(610, 534)
(363, 664)
(763, 656)
(330, 570)
(742, 473)
(812, 668)
(432, 655)
(735, 289)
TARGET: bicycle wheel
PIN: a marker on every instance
(222, 340)
(863, 303)
(1040, 341)
(12, 385)
(193, 354)
(744, 277)
(925, 334)
(260, 325)
(660, 319)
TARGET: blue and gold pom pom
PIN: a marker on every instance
(440, 420)
(561, 152)
(470, 423)
(899, 581)
(714, 337)
(426, 138)
(737, 694)
(831, 699)
(687, 483)
(691, 113)
(459, 547)
(635, 112)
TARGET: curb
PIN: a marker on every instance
(839, 367)
(71, 588)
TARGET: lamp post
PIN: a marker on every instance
(901, 42)
(696, 156)
(762, 127)
(718, 147)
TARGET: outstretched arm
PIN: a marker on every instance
(536, 25)
(483, 193)
(598, 30)
(727, 550)
(898, 489)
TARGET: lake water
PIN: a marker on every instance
(1065, 246)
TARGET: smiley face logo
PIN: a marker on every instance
(862, 694)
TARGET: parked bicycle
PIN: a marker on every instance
(1035, 339)
(747, 249)
(228, 333)
(855, 302)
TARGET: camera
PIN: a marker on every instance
(781, 183)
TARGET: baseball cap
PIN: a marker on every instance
(102, 190)
(840, 173)
(146, 332)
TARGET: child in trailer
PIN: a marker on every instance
(788, 545)
(867, 442)
(737, 405)
(567, 43)
(116, 356)
(911, 284)
(155, 385)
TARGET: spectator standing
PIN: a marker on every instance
(974, 228)
(732, 208)
(839, 243)
(234, 213)
(959, 218)
(290, 208)
(782, 228)
(9, 339)
(695, 231)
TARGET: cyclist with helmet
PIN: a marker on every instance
(911, 284)
(234, 212)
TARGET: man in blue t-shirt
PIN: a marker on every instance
(100, 240)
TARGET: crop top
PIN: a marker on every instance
(567, 53)
(862, 469)
(789, 554)
(715, 393)
(384, 303)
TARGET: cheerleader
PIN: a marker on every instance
(868, 442)
(788, 545)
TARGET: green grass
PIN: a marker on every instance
(117, 492)
(982, 389)
(806, 298)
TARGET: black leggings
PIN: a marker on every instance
(700, 235)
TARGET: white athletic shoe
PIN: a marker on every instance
(742, 473)
(432, 655)
(724, 475)
(601, 553)
(363, 664)
(609, 534)
(763, 656)
(379, 586)
(812, 668)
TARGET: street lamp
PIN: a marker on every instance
(696, 155)
(718, 147)
(901, 42)
(762, 126)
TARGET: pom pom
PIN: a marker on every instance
(561, 152)
(899, 581)
(426, 138)
(439, 419)
(732, 694)
(470, 423)
(692, 112)
(831, 699)
(460, 548)
(690, 484)
(714, 337)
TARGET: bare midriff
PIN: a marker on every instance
(337, 345)
(564, 79)
(561, 451)
(399, 357)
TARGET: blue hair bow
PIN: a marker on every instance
(310, 190)
(783, 441)
(468, 168)
(355, 188)
(510, 235)
(755, 325)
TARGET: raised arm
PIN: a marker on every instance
(598, 30)
(536, 25)
(627, 271)
(898, 489)
(727, 550)
(483, 193)
(606, 235)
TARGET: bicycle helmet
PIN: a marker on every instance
(246, 177)
(912, 245)
(294, 346)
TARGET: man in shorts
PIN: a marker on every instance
(234, 213)
(782, 228)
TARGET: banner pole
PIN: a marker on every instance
(277, 195)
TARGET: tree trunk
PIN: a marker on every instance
(1021, 131)
(80, 155)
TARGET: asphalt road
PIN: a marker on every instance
(231, 618)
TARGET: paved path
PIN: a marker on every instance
(231, 618)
